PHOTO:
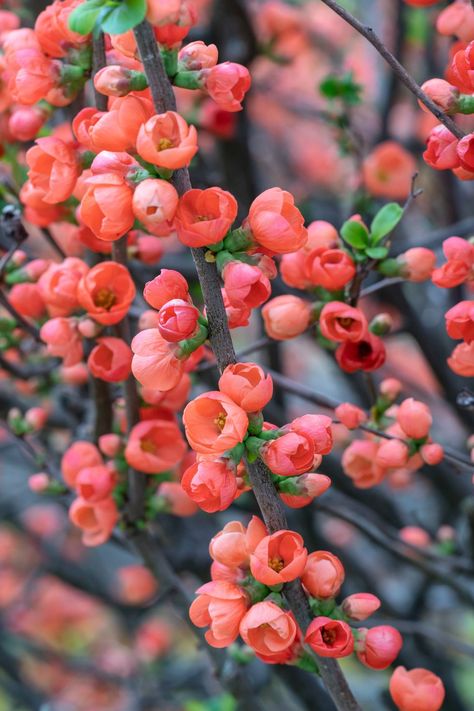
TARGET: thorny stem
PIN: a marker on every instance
(398, 68)
(221, 342)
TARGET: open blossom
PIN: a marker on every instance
(197, 55)
(58, 286)
(110, 359)
(211, 484)
(330, 638)
(62, 340)
(214, 423)
(53, 168)
(278, 558)
(155, 446)
(95, 484)
(78, 456)
(416, 690)
(276, 223)
(358, 462)
(106, 207)
(456, 19)
(388, 171)
(330, 268)
(177, 320)
(367, 354)
(227, 84)
(247, 385)
(52, 29)
(340, 322)
(291, 454)
(233, 545)
(271, 632)
(323, 574)
(286, 317)
(106, 292)
(220, 605)
(245, 284)
(461, 360)
(167, 141)
(204, 217)
(115, 129)
(414, 417)
(168, 285)
(97, 521)
(155, 363)
(460, 321)
(379, 646)
(441, 148)
(459, 265)
(154, 203)
(31, 75)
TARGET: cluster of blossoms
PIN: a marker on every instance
(402, 444)
(226, 429)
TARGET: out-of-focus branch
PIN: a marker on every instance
(398, 68)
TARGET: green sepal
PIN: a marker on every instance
(307, 663)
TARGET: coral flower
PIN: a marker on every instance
(136, 585)
(441, 146)
(286, 317)
(340, 322)
(379, 646)
(245, 284)
(291, 454)
(155, 362)
(155, 446)
(227, 84)
(460, 321)
(388, 171)
(211, 484)
(204, 217)
(62, 340)
(154, 203)
(97, 521)
(220, 605)
(167, 141)
(330, 638)
(33, 75)
(106, 207)
(317, 428)
(276, 223)
(367, 354)
(53, 168)
(278, 558)
(52, 29)
(323, 574)
(414, 417)
(271, 632)
(95, 484)
(110, 360)
(178, 320)
(233, 545)
(247, 385)
(358, 462)
(360, 606)
(214, 423)
(168, 285)
(461, 360)
(416, 690)
(81, 454)
(58, 286)
(106, 292)
(330, 268)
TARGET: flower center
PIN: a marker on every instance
(328, 635)
(148, 446)
(164, 143)
(345, 322)
(220, 420)
(105, 298)
(276, 564)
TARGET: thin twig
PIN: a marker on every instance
(398, 68)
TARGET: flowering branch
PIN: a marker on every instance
(221, 342)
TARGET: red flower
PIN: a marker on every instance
(330, 638)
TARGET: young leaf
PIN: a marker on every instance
(385, 221)
(82, 19)
(355, 234)
(376, 252)
(124, 16)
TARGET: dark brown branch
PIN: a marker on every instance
(99, 61)
(398, 68)
(221, 342)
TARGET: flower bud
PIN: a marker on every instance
(38, 482)
(323, 574)
(381, 324)
(417, 264)
(432, 453)
(378, 647)
(442, 93)
(390, 388)
(110, 444)
(350, 415)
(178, 319)
(168, 285)
(115, 80)
(36, 418)
(391, 454)
(286, 317)
(360, 606)
(414, 418)
(247, 385)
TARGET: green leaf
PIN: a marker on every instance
(355, 234)
(124, 16)
(376, 252)
(82, 19)
(341, 87)
(385, 221)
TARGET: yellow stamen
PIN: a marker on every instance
(276, 564)
(164, 143)
(220, 420)
(105, 298)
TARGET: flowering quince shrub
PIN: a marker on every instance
(135, 245)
